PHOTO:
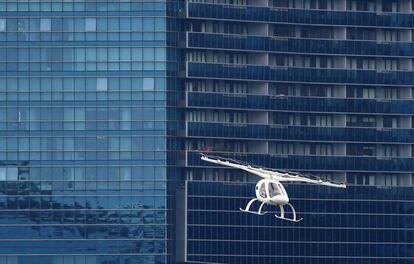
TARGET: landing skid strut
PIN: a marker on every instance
(282, 211)
(282, 214)
(247, 209)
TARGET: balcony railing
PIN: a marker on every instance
(298, 45)
(301, 133)
(285, 103)
(299, 16)
(317, 163)
(290, 74)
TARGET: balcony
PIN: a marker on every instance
(298, 45)
(302, 133)
(299, 162)
(285, 74)
(309, 104)
(298, 16)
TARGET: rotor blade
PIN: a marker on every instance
(278, 175)
(228, 163)
(312, 181)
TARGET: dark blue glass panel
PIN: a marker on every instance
(352, 225)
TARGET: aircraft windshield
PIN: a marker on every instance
(274, 190)
(262, 190)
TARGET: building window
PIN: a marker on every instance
(90, 24)
(45, 25)
(2, 25)
(281, 3)
(3, 174)
(102, 84)
(390, 122)
(148, 84)
(389, 6)
(8, 174)
(281, 148)
(281, 119)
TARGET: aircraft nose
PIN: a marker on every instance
(280, 199)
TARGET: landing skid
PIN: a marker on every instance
(282, 214)
(247, 209)
(282, 211)
(288, 219)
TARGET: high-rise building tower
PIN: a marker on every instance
(317, 86)
(103, 105)
(83, 132)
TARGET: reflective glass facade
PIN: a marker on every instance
(324, 87)
(83, 163)
(318, 86)
(103, 105)
(360, 224)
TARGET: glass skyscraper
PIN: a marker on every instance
(83, 163)
(318, 86)
(104, 104)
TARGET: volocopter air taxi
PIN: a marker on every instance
(269, 190)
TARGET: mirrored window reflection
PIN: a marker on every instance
(90, 24)
(8, 173)
(2, 24)
(102, 84)
(3, 173)
(45, 25)
(148, 84)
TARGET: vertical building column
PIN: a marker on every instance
(260, 88)
(339, 91)
(181, 224)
